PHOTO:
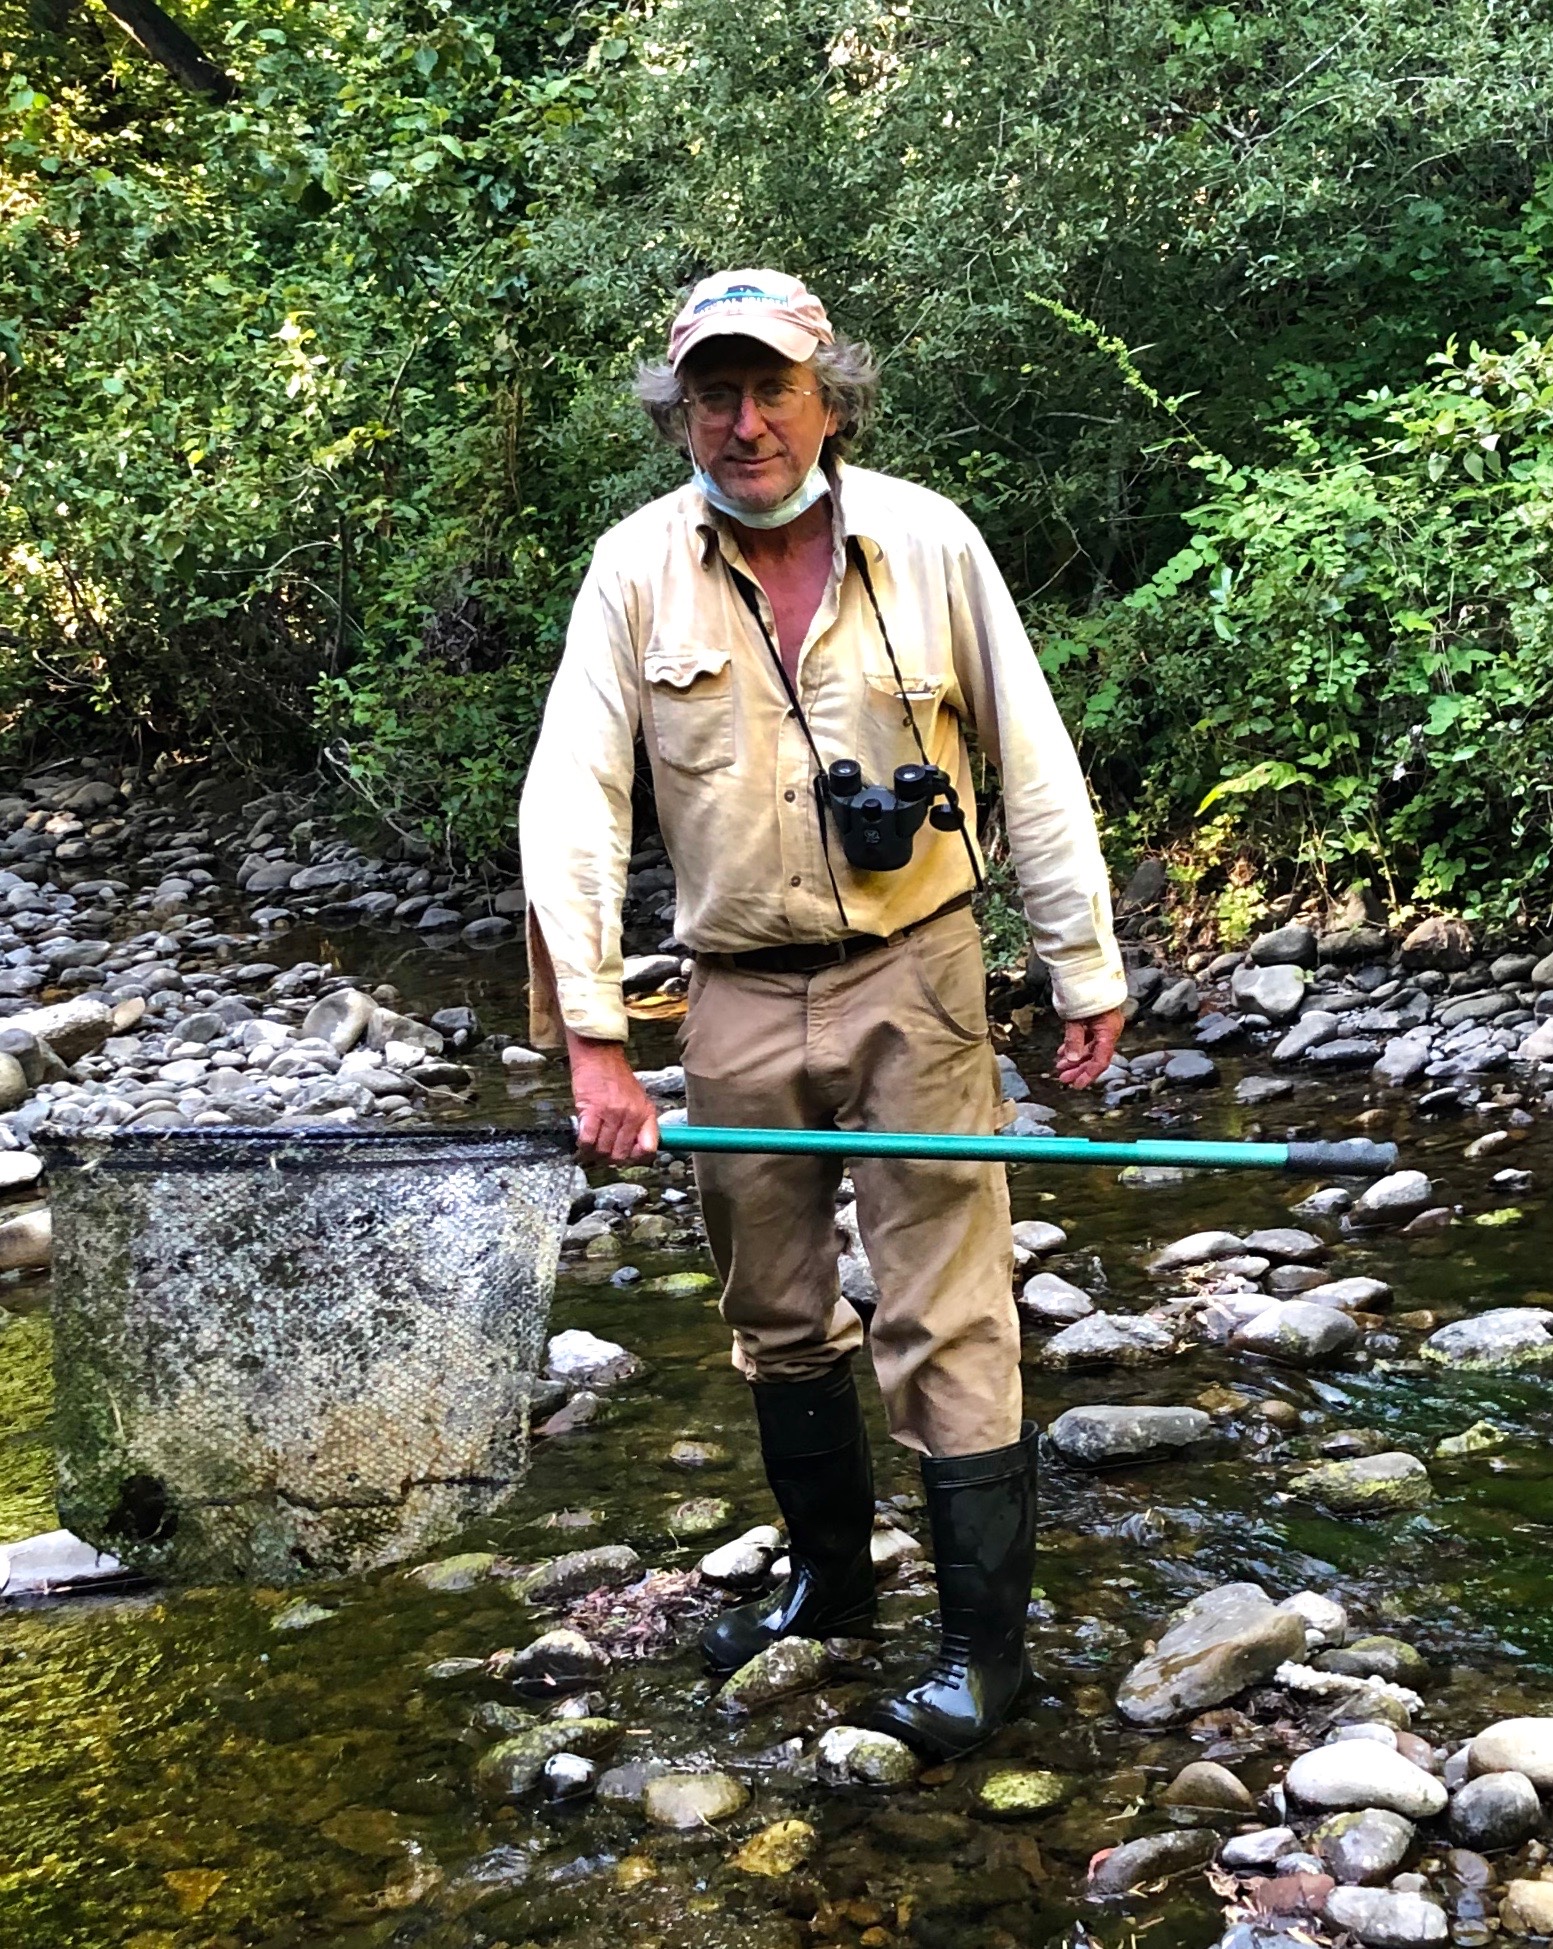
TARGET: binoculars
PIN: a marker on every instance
(878, 825)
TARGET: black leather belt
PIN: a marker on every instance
(809, 957)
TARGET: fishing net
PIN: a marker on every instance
(301, 1354)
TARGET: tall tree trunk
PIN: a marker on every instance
(170, 46)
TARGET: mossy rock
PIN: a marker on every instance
(1018, 1792)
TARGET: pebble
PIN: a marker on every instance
(699, 1516)
(1501, 1340)
(1136, 1863)
(582, 1359)
(744, 1561)
(1018, 1792)
(1365, 1845)
(1358, 1773)
(1370, 1485)
(790, 1665)
(779, 1849)
(1354, 1295)
(691, 1800)
(1275, 990)
(851, 1756)
(1515, 1746)
(1375, 1657)
(1097, 1437)
(1494, 1811)
(1258, 1850)
(1527, 1908)
(1217, 1645)
(1380, 1918)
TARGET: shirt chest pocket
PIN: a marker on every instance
(690, 697)
(885, 734)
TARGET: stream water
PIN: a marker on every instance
(179, 1774)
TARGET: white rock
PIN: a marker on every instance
(1198, 1248)
(744, 1561)
(340, 1019)
(1391, 1198)
(1325, 1620)
(849, 1756)
(19, 1168)
(1515, 1746)
(1294, 1331)
(1034, 1238)
(27, 1241)
(56, 1560)
(1387, 1918)
(889, 1548)
(582, 1359)
(1358, 1773)
(515, 1056)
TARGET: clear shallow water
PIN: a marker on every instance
(182, 1776)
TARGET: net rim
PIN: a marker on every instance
(319, 1147)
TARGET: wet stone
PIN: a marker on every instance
(1527, 1908)
(1391, 1199)
(1502, 1340)
(568, 1776)
(624, 1786)
(1218, 1645)
(1206, 1784)
(1254, 1091)
(1297, 1332)
(582, 1359)
(1262, 1849)
(454, 1573)
(1354, 1295)
(1376, 1657)
(779, 1849)
(1358, 1773)
(851, 1756)
(1136, 1863)
(579, 1571)
(1380, 1918)
(699, 1516)
(1017, 1792)
(691, 1800)
(1109, 1338)
(556, 1661)
(1367, 1845)
(1097, 1437)
(1053, 1300)
(790, 1665)
(1197, 1248)
(513, 1766)
(743, 1562)
(1515, 1746)
(1372, 1485)
(1494, 1811)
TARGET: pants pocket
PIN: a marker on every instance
(953, 982)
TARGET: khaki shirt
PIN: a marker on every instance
(661, 641)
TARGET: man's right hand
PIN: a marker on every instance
(616, 1122)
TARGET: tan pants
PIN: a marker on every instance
(895, 1040)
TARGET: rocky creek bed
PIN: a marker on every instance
(1292, 1612)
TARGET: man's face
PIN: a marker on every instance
(757, 456)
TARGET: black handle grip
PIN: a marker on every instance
(1353, 1157)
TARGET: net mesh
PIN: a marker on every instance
(291, 1355)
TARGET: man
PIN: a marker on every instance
(780, 613)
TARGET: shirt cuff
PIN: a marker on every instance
(1079, 993)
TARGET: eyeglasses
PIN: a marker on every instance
(775, 399)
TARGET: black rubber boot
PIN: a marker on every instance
(815, 1448)
(982, 1511)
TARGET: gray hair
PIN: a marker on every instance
(848, 375)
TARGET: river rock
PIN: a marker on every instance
(582, 1359)
(1293, 946)
(19, 1169)
(1099, 1437)
(579, 1571)
(691, 1800)
(1499, 1341)
(779, 1849)
(1204, 1783)
(71, 1029)
(1376, 1657)
(1191, 1069)
(1368, 1844)
(454, 1573)
(790, 1665)
(1136, 1863)
(1515, 1746)
(1313, 1028)
(1324, 1619)
(568, 1776)
(1527, 1908)
(1254, 1091)
(1034, 1238)
(1354, 1295)
(1356, 1773)
(851, 1756)
(1197, 1248)
(744, 1561)
(1017, 1792)
(624, 1786)
(1297, 1332)
(1496, 1810)
(513, 1766)
(558, 1661)
(1218, 1645)
(27, 1241)
(1391, 1199)
(340, 1019)
(1275, 992)
(1445, 945)
(1384, 1918)
(1369, 1485)
(1053, 1300)
(1262, 1849)
(1107, 1339)
(1176, 1000)
(13, 1083)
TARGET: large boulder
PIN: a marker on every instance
(1218, 1645)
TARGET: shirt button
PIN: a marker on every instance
(789, 795)
(796, 880)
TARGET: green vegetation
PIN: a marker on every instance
(1224, 322)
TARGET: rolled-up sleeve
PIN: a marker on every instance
(574, 822)
(1051, 824)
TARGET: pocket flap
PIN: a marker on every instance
(679, 665)
(920, 689)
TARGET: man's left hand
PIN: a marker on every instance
(1087, 1048)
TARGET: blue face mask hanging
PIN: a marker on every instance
(814, 486)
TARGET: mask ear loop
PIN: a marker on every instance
(858, 561)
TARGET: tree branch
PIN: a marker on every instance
(171, 47)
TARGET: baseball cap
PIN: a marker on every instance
(777, 309)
